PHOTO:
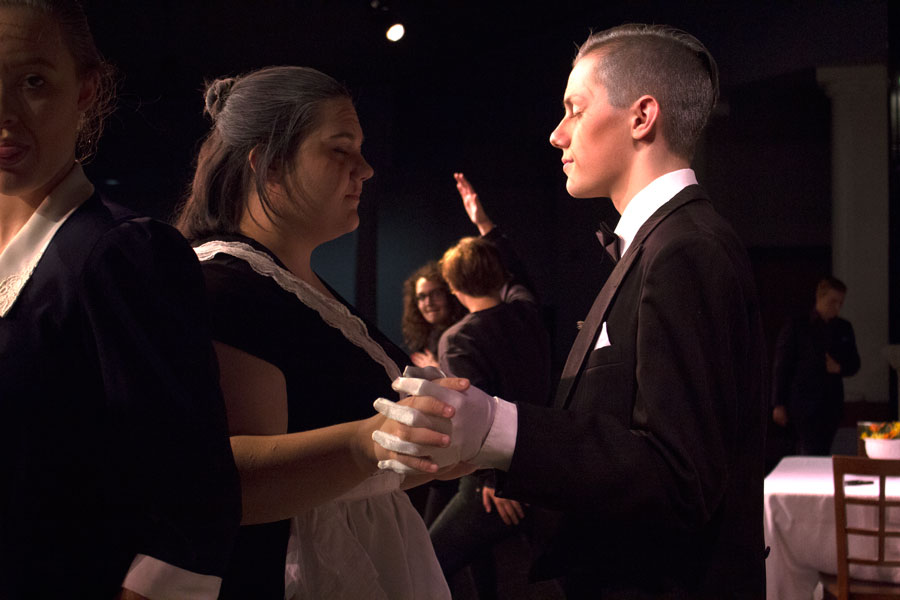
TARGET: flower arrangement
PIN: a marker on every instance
(882, 431)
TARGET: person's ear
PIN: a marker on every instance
(644, 118)
(273, 173)
(87, 93)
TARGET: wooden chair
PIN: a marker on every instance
(842, 587)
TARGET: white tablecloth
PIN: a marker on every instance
(799, 527)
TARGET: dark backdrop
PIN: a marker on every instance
(477, 86)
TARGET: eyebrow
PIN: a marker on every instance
(33, 62)
(345, 135)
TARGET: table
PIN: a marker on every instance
(799, 527)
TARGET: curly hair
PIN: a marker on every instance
(417, 332)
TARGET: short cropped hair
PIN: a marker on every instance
(473, 267)
(663, 62)
(828, 283)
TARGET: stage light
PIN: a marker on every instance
(395, 32)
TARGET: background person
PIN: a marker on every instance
(274, 180)
(428, 309)
(428, 306)
(812, 356)
(501, 347)
(117, 475)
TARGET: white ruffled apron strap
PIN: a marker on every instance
(332, 312)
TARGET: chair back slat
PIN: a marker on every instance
(855, 466)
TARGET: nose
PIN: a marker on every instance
(8, 113)
(559, 137)
(363, 169)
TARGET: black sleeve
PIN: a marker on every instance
(784, 364)
(459, 355)
(144, 306)
(844, 349)
(519, 286)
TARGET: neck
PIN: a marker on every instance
(477, 303)
(648, 165)
(14, 213)
(290, 249)
(16, 210)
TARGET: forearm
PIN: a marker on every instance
(285, 475)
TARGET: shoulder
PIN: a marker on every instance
(460, 329)
(695, 233)
(102, 234)
(842, 325)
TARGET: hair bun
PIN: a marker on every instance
(216, 94)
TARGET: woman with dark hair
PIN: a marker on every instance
(428, 309)
(117, 474)
(280, 173)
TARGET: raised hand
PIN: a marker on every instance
(472, 204)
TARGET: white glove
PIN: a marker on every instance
(469, 426)
(429, 373)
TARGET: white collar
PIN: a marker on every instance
(648, 200)
(24, 251)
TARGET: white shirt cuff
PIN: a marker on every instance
(498, 447)
(157, 580)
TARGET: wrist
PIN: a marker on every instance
(485, 227)
(363, 449)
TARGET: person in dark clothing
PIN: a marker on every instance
(502, 347)
(653, 453)
(812, 356)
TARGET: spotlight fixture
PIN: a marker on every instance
(395, 32)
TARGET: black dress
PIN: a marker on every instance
(115, 440)
(334, 367)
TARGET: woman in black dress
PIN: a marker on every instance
(280, 173)
(116, 473)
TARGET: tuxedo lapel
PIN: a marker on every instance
(591, 328)
(585, 340)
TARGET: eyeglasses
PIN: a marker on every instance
(435, 294)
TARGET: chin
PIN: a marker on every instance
(577, 192)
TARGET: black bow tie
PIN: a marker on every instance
(610, 241)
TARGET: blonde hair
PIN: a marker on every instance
(473, 267)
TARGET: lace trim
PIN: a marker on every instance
(332, 312)
(11, 287)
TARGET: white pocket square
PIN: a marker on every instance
(603, 338)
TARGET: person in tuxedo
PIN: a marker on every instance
(653, 452)
(812, 356)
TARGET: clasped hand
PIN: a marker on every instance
(467, 428)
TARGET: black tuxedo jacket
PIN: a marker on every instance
(654, 452)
